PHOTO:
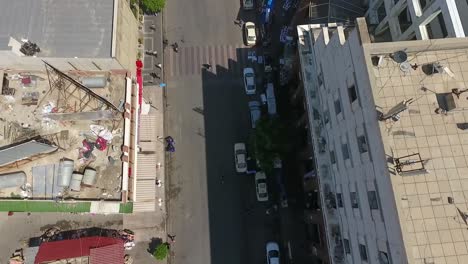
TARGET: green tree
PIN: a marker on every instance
(268, 142)
(152, 6)
(161, 251)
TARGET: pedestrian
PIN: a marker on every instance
(171, 237)
(159, 65)
(155, 53)
(207, 66)
(153, 26)
(241, 23)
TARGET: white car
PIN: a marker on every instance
(248, 4)
(272, 253)
(240, 155)
(250, 34)
(261, 186)
(255, 113)
(249, 81)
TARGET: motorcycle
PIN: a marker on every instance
(170, 144)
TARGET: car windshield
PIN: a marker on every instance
(251, 38)
(273, 254)
(263, 195)
(240, 152)
(259, 181)
(242, 165)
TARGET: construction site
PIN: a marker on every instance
(62, 134)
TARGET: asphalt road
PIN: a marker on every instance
(206, 114)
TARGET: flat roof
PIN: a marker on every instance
(61, 28)
(435, 145)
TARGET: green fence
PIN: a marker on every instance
(44, 206)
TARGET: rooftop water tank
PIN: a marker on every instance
(94, 82)
(65, 172)
(75, 184)
(89, 177)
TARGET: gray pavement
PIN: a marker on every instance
(206, 114)
(151, 225)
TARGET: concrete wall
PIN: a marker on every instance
(126, 35)
(453, 17)
(343, 64)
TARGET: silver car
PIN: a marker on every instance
(255, 112)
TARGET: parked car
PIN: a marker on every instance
(272, 253)
(249, 81)
(255, 112)
(248, 4)
(240, 155)
(261, 186)
(267, 62)
(250, 34)
(270, 99)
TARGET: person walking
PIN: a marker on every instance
(159, 65)
(171, 237)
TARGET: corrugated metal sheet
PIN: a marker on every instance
(148, 145)
(148, 127)
(106, 255)
(23, 151)
(146, 166)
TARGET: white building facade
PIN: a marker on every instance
(418, 19)
(393, 179)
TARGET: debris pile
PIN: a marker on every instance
(29, 48)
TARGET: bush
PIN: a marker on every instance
(153, 6)
(161, 251)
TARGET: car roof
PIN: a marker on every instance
(260, 175)
(254, 104)
(248, 70)
(239, 146)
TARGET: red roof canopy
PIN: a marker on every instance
(65, 249)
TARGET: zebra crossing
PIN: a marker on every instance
(189, 60)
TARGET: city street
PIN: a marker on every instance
(212, 210)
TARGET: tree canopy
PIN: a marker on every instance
(153, 6)
(268, 142)
(161, 251)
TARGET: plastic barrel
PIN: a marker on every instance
(89, 177)
(65, 172)
(75, 184)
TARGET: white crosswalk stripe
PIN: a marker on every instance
(223, 58)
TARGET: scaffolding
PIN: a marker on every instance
(72, 97)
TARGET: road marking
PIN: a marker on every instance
(198, 60)
(180, 59)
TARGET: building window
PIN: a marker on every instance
(339, 200)
(363, 252)
(326, 117)
(352, 93)
(337, 107)
(332, 157)
(404, 19)
(383, 258)
(320, 79)
(373, 202)
(354, 200)
(345, 150)
(347, 247)
(362, 144)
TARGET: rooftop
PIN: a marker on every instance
(410, 104)
(430, 142)
(61, 28)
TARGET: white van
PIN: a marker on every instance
(270, 98)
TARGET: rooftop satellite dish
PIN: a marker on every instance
(399, 56)
(405, 67)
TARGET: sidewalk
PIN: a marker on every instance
(151, 157)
